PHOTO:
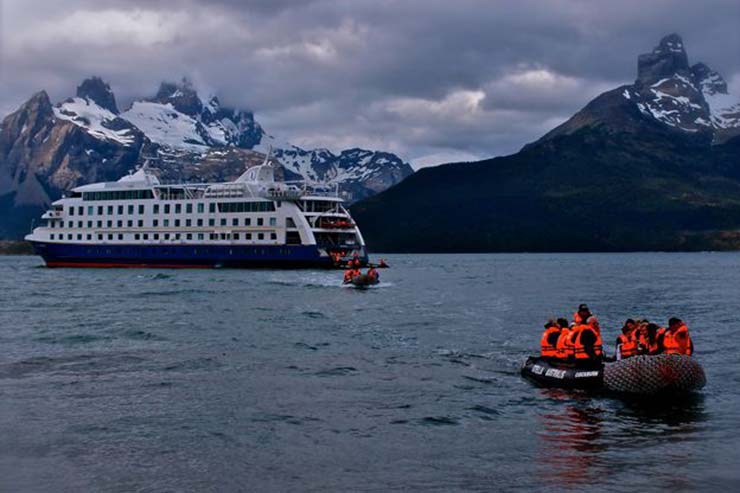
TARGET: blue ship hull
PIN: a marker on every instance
(171, 256)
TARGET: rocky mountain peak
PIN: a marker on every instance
(666, 59)
(98, 91)
(709, 81)
(183, 97)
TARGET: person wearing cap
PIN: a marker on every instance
(626, 344)
(549, 340)
(582, 314)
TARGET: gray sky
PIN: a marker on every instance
(432, 80)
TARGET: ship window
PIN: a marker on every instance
(51, 236)
(120, 210)
(223, 236)
(178, 208)
(211, 207)
(188, 208)
(223, 221)
(211, 236)
(177, 236)
(177, 223)
(110, 236)
(260, 221)
(235, 221)
(120, 236)
(90, 210)
(146, 236)
(100, 237)
(188, 222)
(61, 224)
(166, 223)
(273, 221)
(79, 224)
(156, 236)
(141, 209)
(69, 236)
(166, 236)
(131, 209)
(100, 210)
(247, 221)
(248, 236)
(189, 236)
(140, 223)
(155, 222)
(156, 208)
(129, 223)
(119, 223)
(289, 222)
(201, 208)
(167, 208)
(137, 236)
(292, 238)
(211, 222)
(200, 222)
(71, 211)
(273, 236)
(89, 237)
(100, 224)
(79, 236)
(109, 223)
(110, 210)
(200, 236)
(89, 224)
(80, 211)
(261, 236)
(236, 236)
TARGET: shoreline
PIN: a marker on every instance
(18, 247)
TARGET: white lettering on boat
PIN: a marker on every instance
(586, 374)
(552, 372)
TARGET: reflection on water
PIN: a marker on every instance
(580, 436)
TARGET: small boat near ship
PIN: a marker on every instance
(364, 281)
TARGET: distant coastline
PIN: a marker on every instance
(15, 248)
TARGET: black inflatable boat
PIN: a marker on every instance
(364, 281)
(639, 375)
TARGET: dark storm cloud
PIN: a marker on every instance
(470, 77)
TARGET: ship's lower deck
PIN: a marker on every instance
(182, 255)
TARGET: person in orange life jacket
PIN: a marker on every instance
(582, 314)
(651, 339)
(549, 340)
(626, 344)
(348, 275)
(373, 273)
(676, 339)
(586, 339)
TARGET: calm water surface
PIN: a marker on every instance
(229, 380)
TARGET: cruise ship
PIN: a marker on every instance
(254, 221)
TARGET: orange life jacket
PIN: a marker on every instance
(564, 346)
(549, 350)
(677, 341)
(348, 275)
(651, 347)
(579, 348)
(577, 319)
(627, 345)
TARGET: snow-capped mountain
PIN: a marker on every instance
(48, 148)
(668, 91)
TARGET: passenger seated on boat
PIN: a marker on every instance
(676, 339)
(586, 339)
(372, 272)
(564, 347)
(650, 339)
(348, 275)
(626, 344)
(549, 340)
(582, 314)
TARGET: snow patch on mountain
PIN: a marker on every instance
(166, 126)
(95, 120)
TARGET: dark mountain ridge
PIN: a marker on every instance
(616, 176)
